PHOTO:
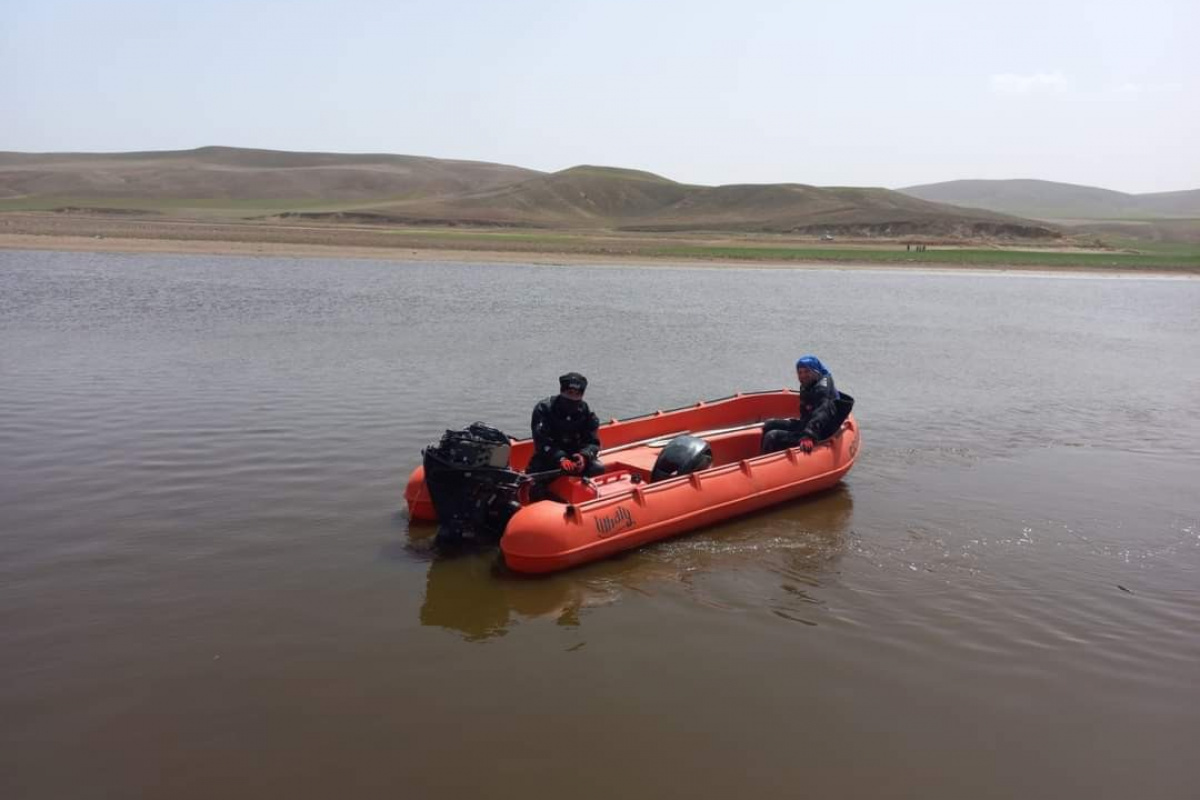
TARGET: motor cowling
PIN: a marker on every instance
(472, 487)
(683, 455)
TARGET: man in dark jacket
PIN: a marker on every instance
(565, 431)
(818, 411)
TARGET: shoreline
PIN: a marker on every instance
(78, 243)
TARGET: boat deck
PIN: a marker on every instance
(630, 466)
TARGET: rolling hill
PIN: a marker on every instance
(629, 200)
(587, 197)
(1047, 200)
(238, 174)
(397, 189)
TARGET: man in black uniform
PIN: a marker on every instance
(818, 418)
(564, 431)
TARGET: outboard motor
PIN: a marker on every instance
(682, 455)
(470, 483)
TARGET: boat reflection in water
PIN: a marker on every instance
(787, 549)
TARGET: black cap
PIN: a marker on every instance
(572, 380)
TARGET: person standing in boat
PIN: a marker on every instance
(565, 431)
(819, 417)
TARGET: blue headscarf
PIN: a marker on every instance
(813, 363)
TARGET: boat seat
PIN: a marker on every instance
(638, 460)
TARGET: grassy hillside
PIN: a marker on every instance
(1142, 234)
(1172, 204)
(795, 208)
(240, 176)
(233, 183)
(583, 196)
(602, 197)
(1058, 201)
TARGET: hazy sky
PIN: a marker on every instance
(867, 93)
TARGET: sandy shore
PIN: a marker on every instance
(225, 238)
(84, 244)
(90, 244)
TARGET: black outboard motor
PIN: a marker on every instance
(682, 455)
(471, 485)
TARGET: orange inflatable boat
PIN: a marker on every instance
(665, 473)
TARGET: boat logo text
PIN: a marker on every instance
(619, 520)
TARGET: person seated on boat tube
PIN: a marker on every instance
(565, 431)
(818, 411)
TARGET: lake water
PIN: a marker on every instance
(209, 588)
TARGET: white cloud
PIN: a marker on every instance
(1038, 82)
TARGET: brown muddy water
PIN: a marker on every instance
(208, 587)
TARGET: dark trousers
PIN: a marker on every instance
(780, 434)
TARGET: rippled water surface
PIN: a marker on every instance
(208, 587)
